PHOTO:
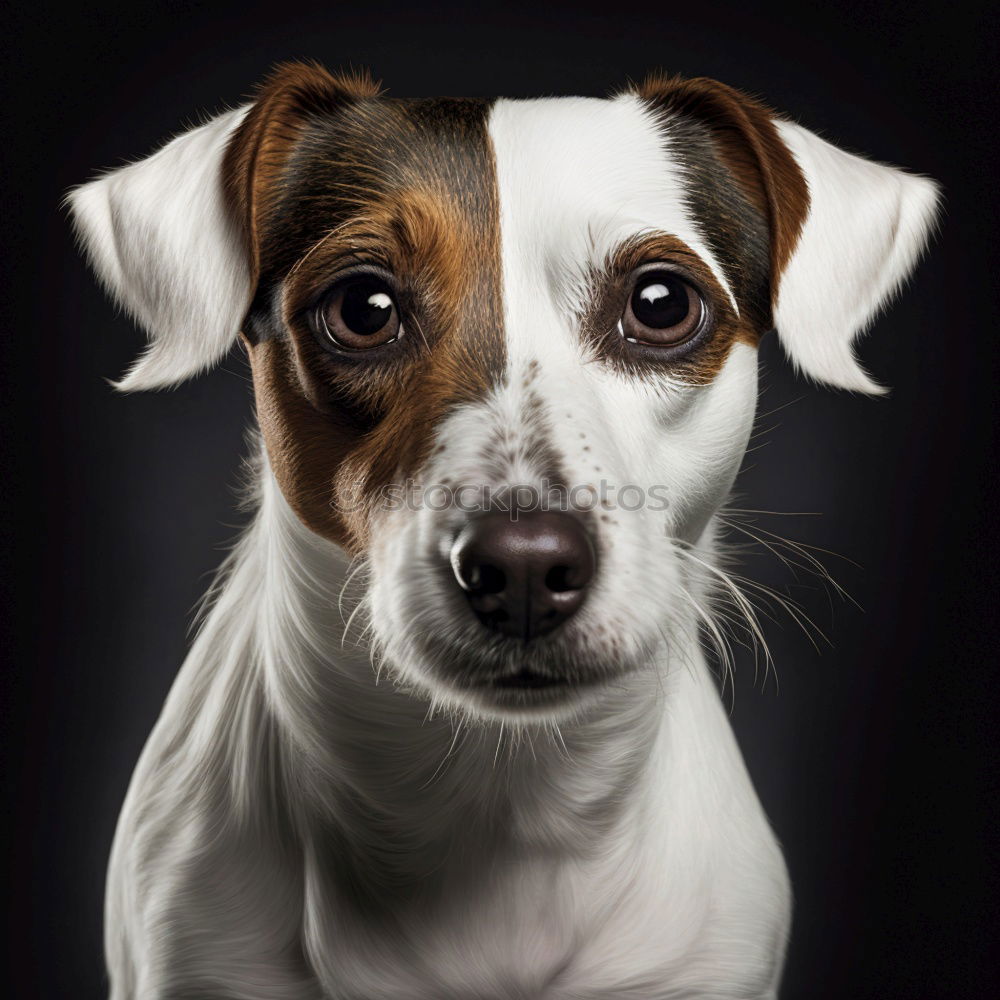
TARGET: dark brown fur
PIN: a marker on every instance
(327, 176)
(746, 190)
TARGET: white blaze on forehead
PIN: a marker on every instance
(576, 177)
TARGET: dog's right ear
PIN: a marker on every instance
(173, 236)
(163, 242)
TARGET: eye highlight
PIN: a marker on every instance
(359, 314)
(663, 310)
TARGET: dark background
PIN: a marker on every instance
(874, 761)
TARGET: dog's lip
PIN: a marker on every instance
(527, 679)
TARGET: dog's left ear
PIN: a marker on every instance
(844, 232)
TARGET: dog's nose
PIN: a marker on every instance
(524, 577)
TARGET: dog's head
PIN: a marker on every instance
(505, 349)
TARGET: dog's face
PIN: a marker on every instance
(506, 350)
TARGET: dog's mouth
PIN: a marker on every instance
(507, 680)
(498, 675)
(533, 688)
(527, 679)
(528, 693)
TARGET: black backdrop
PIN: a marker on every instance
(873, 760)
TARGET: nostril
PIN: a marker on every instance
(486, 579)
(559, 579)
(475, 572)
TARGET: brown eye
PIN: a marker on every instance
(360, 314)
(663, 310)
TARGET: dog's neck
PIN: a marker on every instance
(358, 761)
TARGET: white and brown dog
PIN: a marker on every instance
(542, 798)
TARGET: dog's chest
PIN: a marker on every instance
(555, 932)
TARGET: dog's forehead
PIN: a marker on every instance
(579, 176)
(371, 155)
(573, 176)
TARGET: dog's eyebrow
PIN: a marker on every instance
(337, 230)
(616, 249)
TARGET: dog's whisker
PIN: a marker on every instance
(774, 543)
(416, 325)
(496, 756)
(359, 607)
(531, 744)
(722, 649)
(741, 601)
(357, 565)
(326, 238)
(809, 628)
(456, 732)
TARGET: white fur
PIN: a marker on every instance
(866, 227)
(158, 234)
(623, 855)
(318, 814)
(606, 178)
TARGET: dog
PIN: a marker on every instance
(432, 741)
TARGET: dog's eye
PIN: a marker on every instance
(360, 314)
(663, 310)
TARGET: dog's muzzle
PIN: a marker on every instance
(524, 577)
(507, 626)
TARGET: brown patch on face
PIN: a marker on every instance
(733, 153)
(259, 149)
(695, 362)
(336, 182)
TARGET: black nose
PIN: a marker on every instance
(524, 577)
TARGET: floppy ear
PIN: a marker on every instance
(844, 232)
(866, 227)
(174, 237)
(163, 241)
